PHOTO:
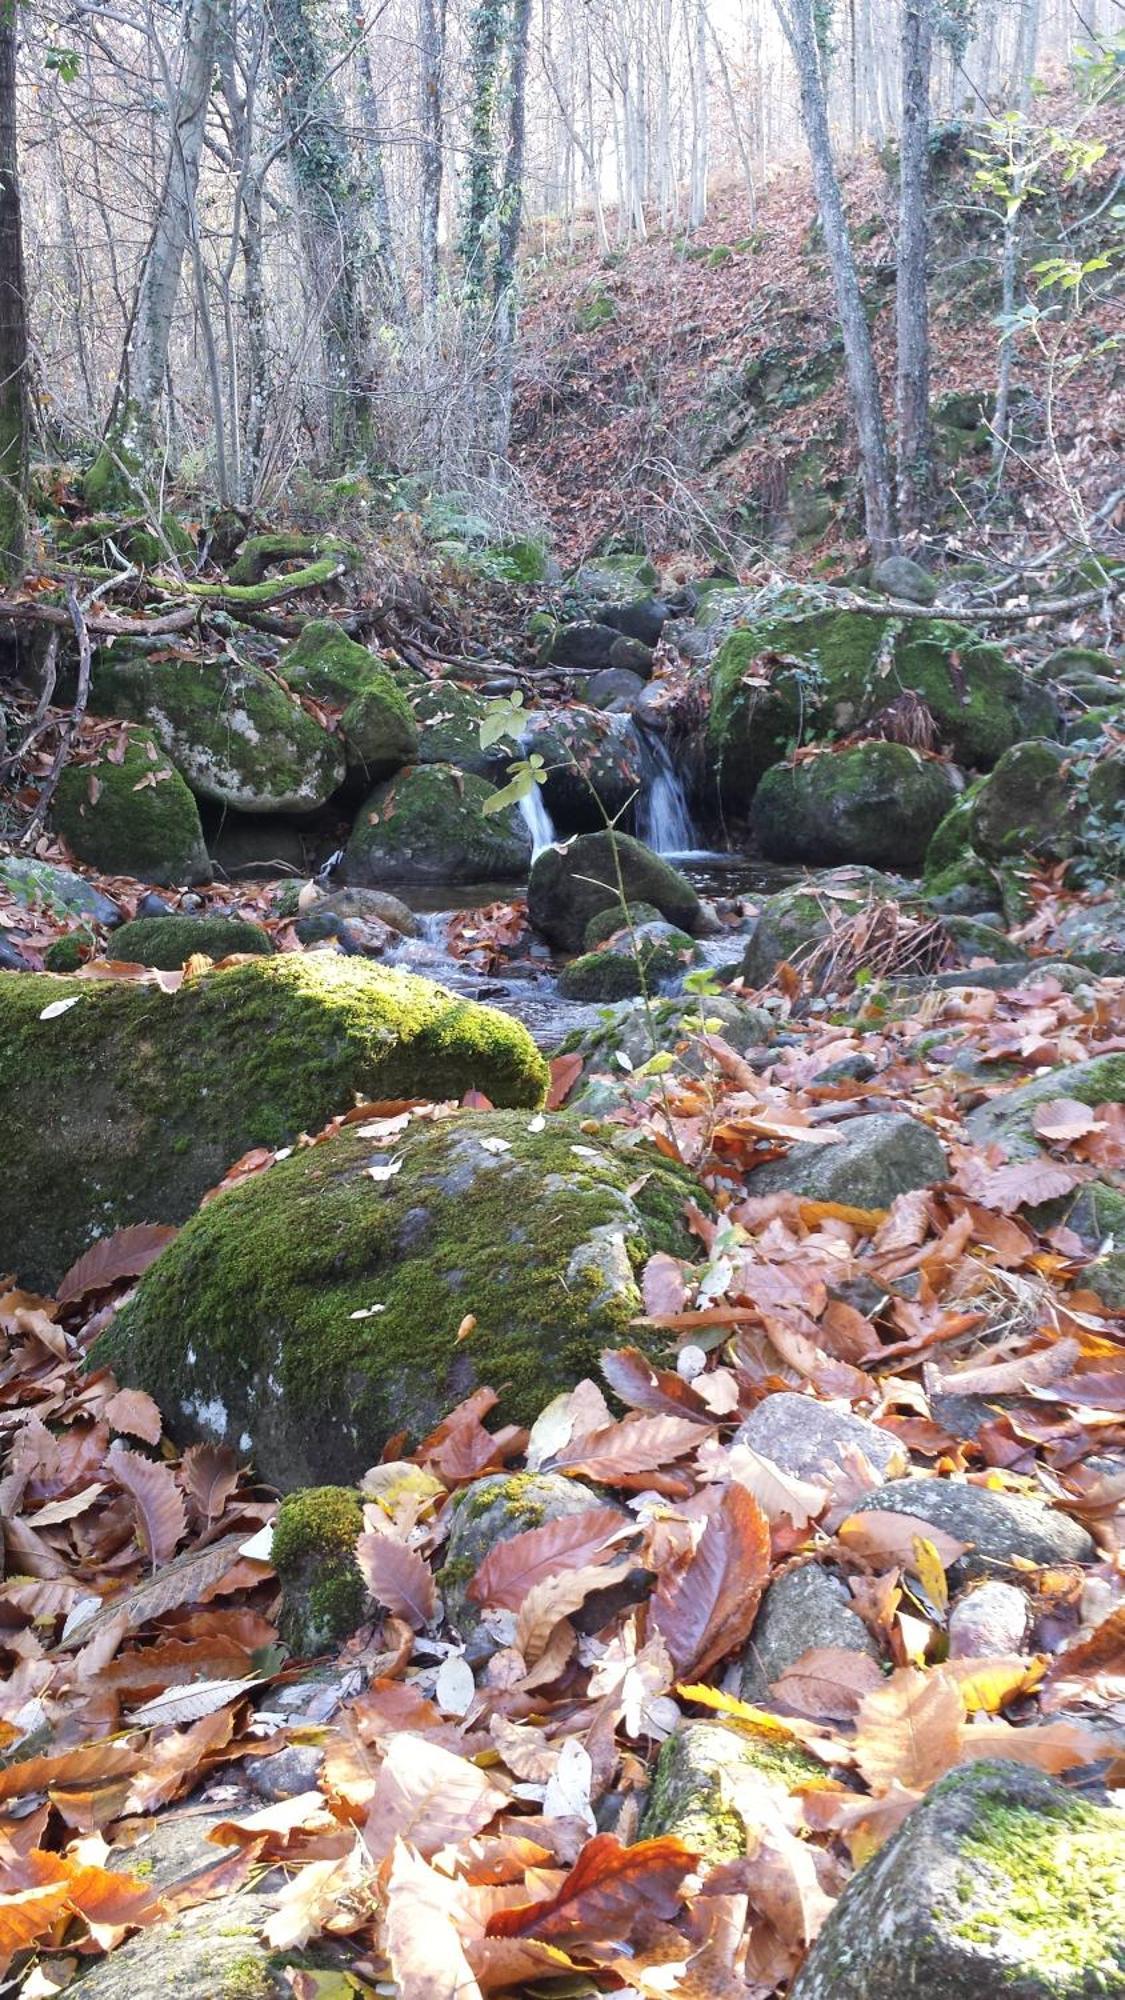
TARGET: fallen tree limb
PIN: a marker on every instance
(67, 733)
(980, 614)
(233, 597)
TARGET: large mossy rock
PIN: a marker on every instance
(571, 884)
(168, 942)
(818, 674)
(1023, 807)
(1001, 1885)
(378, 726)
(593, 765)
(133, 816)
(876, 803)
(428, 824)
(448, 720)
(327, 664)
(231, 730)
(312, 1311)
(1008, 1120)
(796, 919)
(131, 1103)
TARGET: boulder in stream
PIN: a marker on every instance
(571, 884)
(132, 815)
(428, 824)
(876, 803)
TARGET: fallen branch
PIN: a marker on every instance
(67, 733)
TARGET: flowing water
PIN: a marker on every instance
(538, 821)
(664, 819)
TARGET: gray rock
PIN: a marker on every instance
(613, 685)
(569, 885)
(585, 644)
(879, 1157)
(988, 1621)
(1001, 1885)
(11, 958)
(1007, 1120)
(796, 919)
(644, 618)
(42, 882)
(361, 905)
(898, 576)
(690, 1794)
(997, 1526)
(804, 1608)
(494, 1510)
(291, 1771)
(152, 905)
(875, 802)
(809, 1438)
(1098, 1216)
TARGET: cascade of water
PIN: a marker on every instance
(537, 820)
(663, 818)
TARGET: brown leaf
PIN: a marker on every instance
(426, 1795)
(397, 1578)
(156, 1496)
(125, 1254)
(424, 1929)
(909, 1730)
(565, 1072)
(662, 1284)
(555, 1597)
(189, 1579)
(608, 1893)
(136, 1414)
(573, 1541)
(659, 1391)
(889, 1538)
(209, 1475)
(828, 1683)
(706, 1608)
(1063, 1119)
(636, 1444)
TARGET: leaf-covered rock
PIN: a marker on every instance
(428, 824)
(876, 803)
(1000, 1528)
(698, 1767)
(1001, 1885)
(493, 1511)
(135, 816)
(879, 1156)
(1008, 1120)
(131, 1102)
(803, 1609)
(314, 1310)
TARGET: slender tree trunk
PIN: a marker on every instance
(13, 320)
(506, 276)
(431, 37)
(797, 21)
(912, 394)
(1026, 48)
(736, 125)
(697, 212)
(390, 297)
(146, 359)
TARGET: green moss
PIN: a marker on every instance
(313, 1552)
(326, 663)
(607, 923)
(136, 817)
(876, 803)
(100, 1099)
(516, 1493)
(138, 540)
(237, 737)
(67, 953)
(1050, 1880)
(951, 844)
(168, 942)
(620, 973)
(595, 311)
(691, 1788)
(1024, 807)
(429, 824)
(260, 553)
(246, 1979)
(316, 1307)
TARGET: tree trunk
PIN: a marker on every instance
(146, 359)
(912, 396)
(797, 21)
(390, 299)
(1026, 48)
(13, 320)
(431, 37)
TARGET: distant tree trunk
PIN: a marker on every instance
(798, 22)
(1026, 48)
(494, 202)
(133, 434)
(390, 298)
(431, 36)
(697, 211)
(505, 284)
(13, 320)
(328, 217)
(914, 461)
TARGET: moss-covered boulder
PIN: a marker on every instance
(378, 726)
(168, 942)
(126, 1103)
(877, 803)
(638, 961)
(569, 885)
(1023, 807)
(494, 1510)
(133, 816)
(140, 541)
(314, 1309)
(1093, 934)
(231, 730)
(1098, 1217)
(877, 1157)
(448, 720)
(1001, 1885)
(610, 923)
(323, 1594)
(428, 824)
(593, 765)
(1008, 1120)
(694, 1792)
(44, 885)
(791, 923)
(817, 674)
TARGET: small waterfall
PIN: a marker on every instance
(663, 819)
(538, 821)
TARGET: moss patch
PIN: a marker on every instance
(136, 817)
(313, 1552)
(876, 803)
(314, 1309)
(168, 942)
(127, 1107)
(1053, 1877)
(428, 824)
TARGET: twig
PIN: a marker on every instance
(66, 738)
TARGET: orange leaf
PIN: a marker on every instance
(428, 1796)
(909, 1730)
(565, 1072)
(125, 1254)
(136, 1414)
(609, 1892)
(706, 1608)
(156, 1497)
(511, 1568)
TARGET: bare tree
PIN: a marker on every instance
(798, 20)
(912, 392)
(13, 318)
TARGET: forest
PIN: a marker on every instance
(562, 999)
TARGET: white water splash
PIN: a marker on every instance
(663, 819)
(538, 821)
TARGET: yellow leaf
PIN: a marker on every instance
(930, 1572)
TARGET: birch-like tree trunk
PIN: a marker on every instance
(431, 42)
(1027, 45)
(13, 319)
(914, 469)
(798, 23)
